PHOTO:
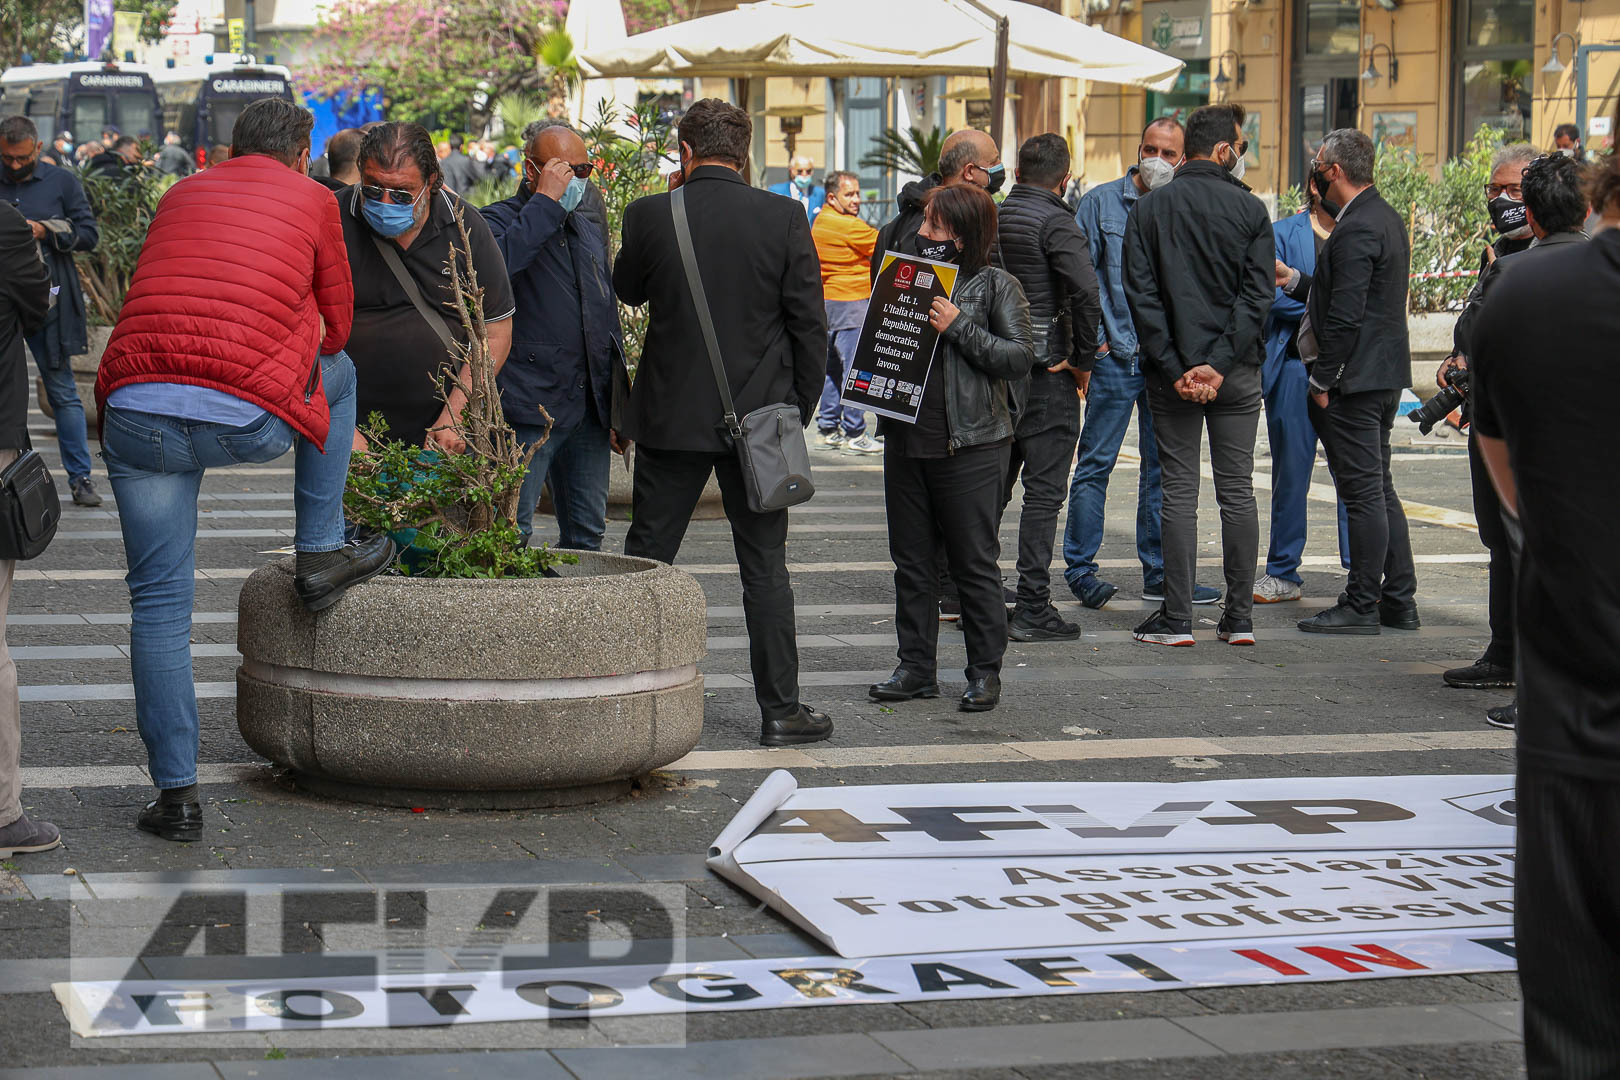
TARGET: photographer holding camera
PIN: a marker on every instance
(1551, 207)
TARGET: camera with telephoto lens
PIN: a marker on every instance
(1441, 405)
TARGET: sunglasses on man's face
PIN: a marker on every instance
(394, 195)
(582, 170)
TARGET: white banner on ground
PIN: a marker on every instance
(899, 869)
(98, 1009)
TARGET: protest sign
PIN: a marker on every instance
(895, 356)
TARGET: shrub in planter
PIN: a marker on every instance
(489, 674)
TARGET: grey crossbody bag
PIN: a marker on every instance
(770, 440)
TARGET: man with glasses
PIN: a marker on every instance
(1356, 305)
(399, 225)
(1199, 274)
(1504, 196)
(567, 353)
(801, 186)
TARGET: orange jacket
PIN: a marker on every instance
(844, 243)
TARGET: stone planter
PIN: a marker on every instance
(84, 373)
(1430, 343)
(621, 483)
(475, 694)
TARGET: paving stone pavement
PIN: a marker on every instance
(1101, 708)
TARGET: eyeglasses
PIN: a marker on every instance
(803, 172)
(1512, 191)
(1241, 146)
(395, 195)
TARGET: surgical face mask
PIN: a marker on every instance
(998, 176)
(804, 182)
(572, 194)
(1156, 172)
(390, 219)
(20, 173)
(1571, 151)
(1509, 217)
(1239, 165)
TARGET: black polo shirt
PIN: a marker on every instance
(1542, 362)
(398, 359)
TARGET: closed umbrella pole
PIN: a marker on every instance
(998, 73)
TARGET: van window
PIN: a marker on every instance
(89, 117)
(135, 115)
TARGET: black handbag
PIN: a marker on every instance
(29, 507)
(770, 440)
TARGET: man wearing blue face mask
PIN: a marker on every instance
(802, 186)
(567, 349)
(399, 224)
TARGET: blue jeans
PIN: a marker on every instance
(1117, 386)
(575, 461)
(156, 467)
(1293, 457)
(844, 319)
(63, 394)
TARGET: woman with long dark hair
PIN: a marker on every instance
(943, 476)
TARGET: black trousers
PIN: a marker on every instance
(954, 502)
(1493, 533)
(1566, 896)
(1043, 452)
(1354, 430)
(668, 484)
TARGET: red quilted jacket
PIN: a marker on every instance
(241, 264)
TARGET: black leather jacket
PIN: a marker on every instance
(989, 345)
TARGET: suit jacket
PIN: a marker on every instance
(1357, 301)
(818, 196)
(763, 282)
(25, 297)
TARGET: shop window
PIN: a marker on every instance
(1493, 75)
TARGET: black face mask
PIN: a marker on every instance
(1507, 215)
(19, 174)
(943, 251)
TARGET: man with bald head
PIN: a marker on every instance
(801, 185)
(968, 157)
(567, 355)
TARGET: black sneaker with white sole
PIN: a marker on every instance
(1504, 716)
(1046, 625)
(1160, 629)
(1235, 631)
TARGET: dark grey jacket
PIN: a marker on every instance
(25, 298)
(988, 346)
(1038, 242)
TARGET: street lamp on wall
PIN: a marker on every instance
(1554, 66)
(1222, 80)
(1372, 74)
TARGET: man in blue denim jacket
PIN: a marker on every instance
(1116, 386)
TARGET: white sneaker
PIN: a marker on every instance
(863, 445)
(1274, 590)
(831, 440)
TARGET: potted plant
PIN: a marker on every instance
(484, 674)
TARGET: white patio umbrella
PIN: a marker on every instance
(889, 38)
(599, 25)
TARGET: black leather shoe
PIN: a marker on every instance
(1340, 619)
(804, 726)
(1398, 616)
(357, 561)
(903, 686)
(981, 695)
(172, 821)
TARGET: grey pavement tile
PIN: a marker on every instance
(1508, 1014)
(256, 880)
(187, 1071)
(1317, 1065)
(757, 1024)
(1039, 1044)
(1347, 994)
(504, 872)
(288, 966)
(1394, 1026)
(509, 1065)
(667, 867)
(780, 945)
(983, 1012)
(740, 1059)
(35, 976)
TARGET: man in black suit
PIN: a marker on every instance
(1356, 306)
(763, 282)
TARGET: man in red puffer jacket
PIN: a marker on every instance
(228, 350)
